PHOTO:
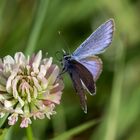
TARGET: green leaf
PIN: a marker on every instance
(70, 133)
(2, 120)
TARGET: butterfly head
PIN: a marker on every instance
(65, 61)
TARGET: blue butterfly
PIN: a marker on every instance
(83, 66)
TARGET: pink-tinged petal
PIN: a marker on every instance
(25, 122)
(35, 113)
(28, 67)
(9, 104)
(47, 62)
(50, 111)
(9, 82)
(42, 70)
(44, 95)
(2, 88)
(44, 83)
(1, 64)
(26, 109)
(23, 86)
(49, 71)
(20, 58)
(47, 102)
(31, 60)
(35, 93)
(8, 60)
(37, 85)
(7, 70)
(13, 119)
(57, 87)
(14, 86)
(18, 109)
(2, 114)
(20, 101)
(37, 59)
(39, 104)
(28, 95)
(4, 96)
(55, 97)
(3, 80)
(35, 70)
(40, 76)
(53, 75)
(38, 115)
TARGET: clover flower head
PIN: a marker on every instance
(29, 88)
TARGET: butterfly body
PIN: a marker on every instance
(83, 66)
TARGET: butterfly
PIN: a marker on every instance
(83, 66)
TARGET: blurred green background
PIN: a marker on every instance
(113, 114)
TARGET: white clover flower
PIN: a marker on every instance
(29, 88)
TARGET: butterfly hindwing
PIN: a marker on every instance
(79, 88)
(85, 76)
(94, 65)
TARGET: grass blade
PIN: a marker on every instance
(68, 134)
(39, 19)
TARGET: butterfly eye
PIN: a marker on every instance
(67, 57)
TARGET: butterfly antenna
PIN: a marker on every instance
(65, 42)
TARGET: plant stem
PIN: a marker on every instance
(29, 133)
(59, 120)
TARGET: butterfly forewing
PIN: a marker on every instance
(97, 42)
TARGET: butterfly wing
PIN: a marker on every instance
(94, 65)
(81, 76)
(79, 88)
(85, 76)
(97, 42)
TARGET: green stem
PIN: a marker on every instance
(35, 32)
(59, 120)
(29, 133)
